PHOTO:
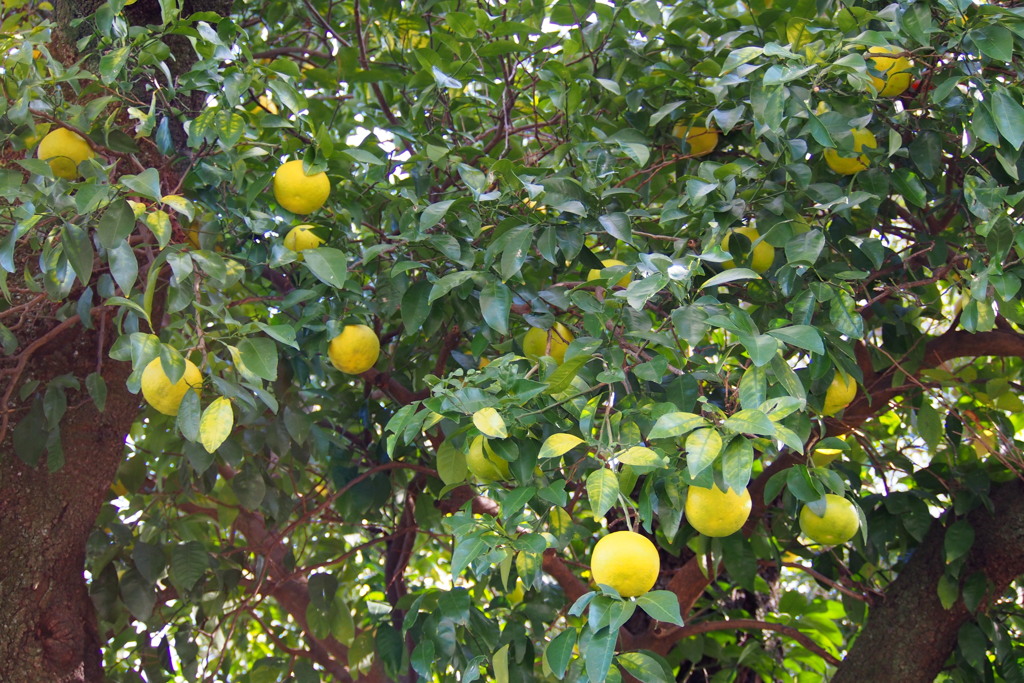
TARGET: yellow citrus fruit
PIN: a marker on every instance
(302, 237)
(626, 561)
(484, 463)
(355, 350)
(161, 394)
(702, 141)
(266, 104)
(717, 513)
(839, 394)
(608, 263)
(535, 343)
(823, 457)
(761, 255)
(896, 70)
(516, 595)
(298, 192)
(839, 524)
(984, 442)
(65, 150)
(849, 165)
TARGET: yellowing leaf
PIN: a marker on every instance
(489, 422)
(215, 424)
(558, 444)
(179, 204)
(639, 456)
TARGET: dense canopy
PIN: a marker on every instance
(769, 246)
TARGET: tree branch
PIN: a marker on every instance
(677, 633)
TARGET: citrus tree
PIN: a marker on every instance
(550, 340)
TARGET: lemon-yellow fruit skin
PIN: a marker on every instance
(838, 526)
(984, 442)
(761, 256)
(484, 463)
(298, 192)
(717, 513)
(64, 149)
(839, 394)
(702, 141)
(896, 70)
(849, 165)
(535, 343)
(161, 394)
(302, 237)
(626, 561)
(355, 350)
(608, 263)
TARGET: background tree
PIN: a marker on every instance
(798, 193)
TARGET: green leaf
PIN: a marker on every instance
(599, 653)
(1009, 117)
(557, 445)
(929, 426)
(282, 333)
(602, 490)
(740, 57)
(188, 563)
(843, 314)
(448, 283)
(329, 265)
(560, 380)
(433, 214)
(149, 560)
(661, 606)
(958, 541)
(800, 336)
(343, 626)
(617, 225)
(216, 423)
(737, 463)
(750, 422)
(112, 62)
(466, 550)
(516, 250)
(145, 184)
(676, 424)
(643, 667)
(249, 487)
(949, 590)
(994, 41)
(559, 652)
(97, 388)
(451, 464)
(189, 413)
(495, 304)
(260, 357)
(702, 448)
(80, 253)
(117, 223)
(123, 266)
(730, 275)
(138, 594)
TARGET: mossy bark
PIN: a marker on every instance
(909, 636)
(48, 631)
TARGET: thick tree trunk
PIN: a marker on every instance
(48, 630)
(909, 635)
